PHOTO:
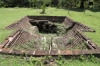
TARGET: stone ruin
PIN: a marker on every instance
(68, 39)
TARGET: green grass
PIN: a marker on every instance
(10, 15)
(4, 33)
(60, 61)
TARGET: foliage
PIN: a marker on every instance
(97, 4)
(35, 62)
(55, 3)
(88, 58)
(61, 61)
(39, 3)
(60, 29)
(1, 3)
(14, 3)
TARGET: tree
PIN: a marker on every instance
(82, 3)
(97, 4)
(1, 3)
(43, 6)
(31, 3)
(54, 3)
(76, 2)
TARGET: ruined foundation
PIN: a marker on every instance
(48, 35)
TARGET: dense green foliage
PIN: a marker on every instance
(53, 3)
(14, 3)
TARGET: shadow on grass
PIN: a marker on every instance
(94, 10)
(81, 10)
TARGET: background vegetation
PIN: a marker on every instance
(52, 3)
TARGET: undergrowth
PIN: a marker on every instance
(24, 60)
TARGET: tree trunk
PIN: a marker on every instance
(82, 4)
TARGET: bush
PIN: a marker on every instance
(1, 3)
(96, 6)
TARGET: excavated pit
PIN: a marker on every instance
(43, 32)
(48, 35)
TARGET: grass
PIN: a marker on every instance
(10, 15)
(4, 33)
(60, 61)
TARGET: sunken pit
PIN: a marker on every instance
(48, 35)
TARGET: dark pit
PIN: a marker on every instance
(44, 26)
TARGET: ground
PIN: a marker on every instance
(89, 18)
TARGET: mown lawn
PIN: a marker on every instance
(91, 18)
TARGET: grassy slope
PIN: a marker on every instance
(10, 15)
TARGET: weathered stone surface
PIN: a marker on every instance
(34, 30)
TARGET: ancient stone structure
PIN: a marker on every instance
(27, 39)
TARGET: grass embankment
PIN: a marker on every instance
(10, 15)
